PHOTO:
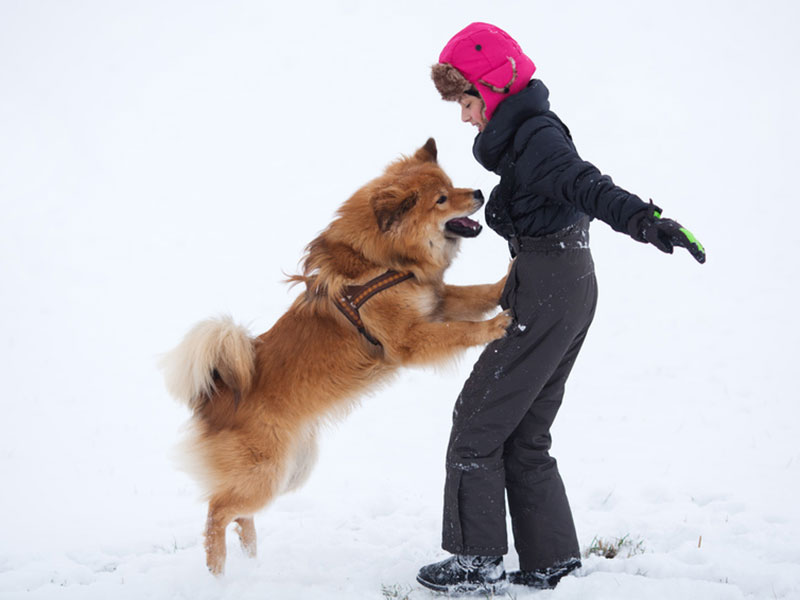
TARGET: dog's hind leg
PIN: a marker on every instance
(246, 528)
(247, 493)
(220, 514)
(247, 471)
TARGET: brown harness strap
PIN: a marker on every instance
(356, 295)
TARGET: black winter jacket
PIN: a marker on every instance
(544, 185)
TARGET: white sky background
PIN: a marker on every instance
(161, 162)
(163, 159)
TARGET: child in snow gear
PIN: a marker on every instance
(542, 206)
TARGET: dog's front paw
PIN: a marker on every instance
(497, 327)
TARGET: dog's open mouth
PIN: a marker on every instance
(463, 227)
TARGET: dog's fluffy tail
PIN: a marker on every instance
(213, 347)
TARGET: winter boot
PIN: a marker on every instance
(464, 573)
(544, 579)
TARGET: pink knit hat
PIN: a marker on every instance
(484, 57)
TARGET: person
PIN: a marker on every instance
(542, 206)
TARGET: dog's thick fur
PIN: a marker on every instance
(257, 403)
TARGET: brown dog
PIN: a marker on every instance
(257, 402)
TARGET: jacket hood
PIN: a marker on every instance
(498, 135)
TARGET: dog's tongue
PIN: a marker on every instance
(464, 226)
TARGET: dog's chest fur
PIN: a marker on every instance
(427, 301)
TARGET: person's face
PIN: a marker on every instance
(471, 111)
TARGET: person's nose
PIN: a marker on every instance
(465, 115)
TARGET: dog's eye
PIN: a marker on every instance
(441, 200)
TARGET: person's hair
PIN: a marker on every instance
(473, 92)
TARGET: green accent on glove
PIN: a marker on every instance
(657, 214)
(690, 236)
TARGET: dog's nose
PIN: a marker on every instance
(477, 194)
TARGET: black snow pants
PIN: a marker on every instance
(501, 422)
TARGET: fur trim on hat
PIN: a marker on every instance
(449, 81)
(507, 88)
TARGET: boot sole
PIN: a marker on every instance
(497, 587)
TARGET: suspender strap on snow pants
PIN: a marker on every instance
(500, 439)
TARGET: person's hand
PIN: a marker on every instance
(648, 227)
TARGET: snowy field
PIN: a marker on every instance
(161, 162)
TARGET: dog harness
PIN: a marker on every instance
(355, 295)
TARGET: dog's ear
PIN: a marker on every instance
(428, 152)
(390, 204)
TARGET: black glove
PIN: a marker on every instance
(647, 226)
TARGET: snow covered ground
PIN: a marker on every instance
(161, 162)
